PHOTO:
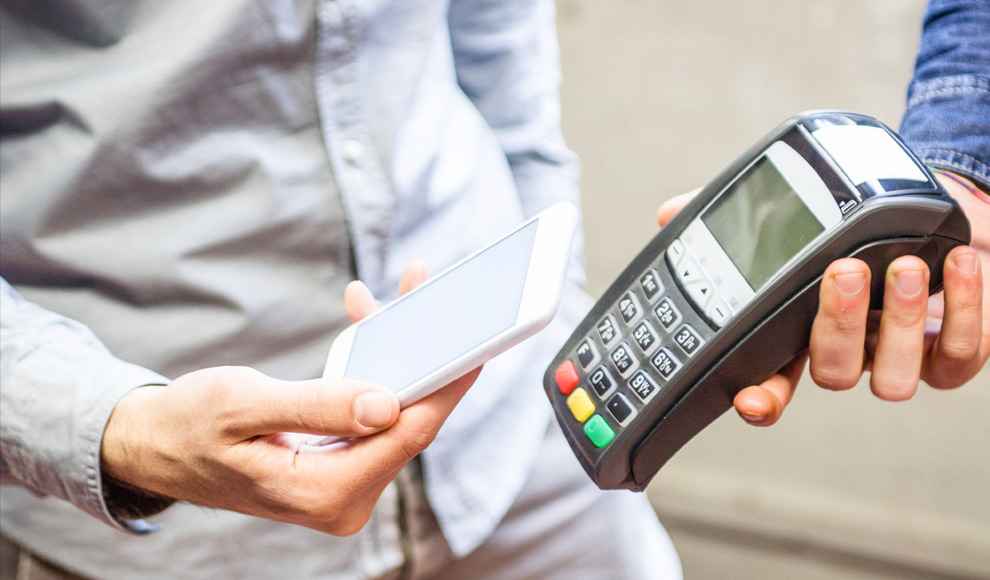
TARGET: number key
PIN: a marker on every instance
(601, 381)
(643, 386)
(623, 359)
(687, 339)
(644, 336)
(665, 363)
(667, 313)
(651, 285)
(607, 330)
(628, 307)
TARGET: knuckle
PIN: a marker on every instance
(945, 382)
(335, 515)
(223, 382)
(958, 352)
(834, 379)
(416, 441)
(327, 510)
(312, 411)
(908, 318)
(315, 505)
(349, 524)
(965, 301)
(846, 325)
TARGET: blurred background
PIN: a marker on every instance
(658, 96)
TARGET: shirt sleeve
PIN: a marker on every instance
(58, 386)
(508, 63)
(947, 121)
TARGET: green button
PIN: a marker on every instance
(598, 431)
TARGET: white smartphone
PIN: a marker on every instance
(462, 317)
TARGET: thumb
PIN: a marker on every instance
(340, 407)
(673, 205)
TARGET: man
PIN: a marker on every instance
(196, 184)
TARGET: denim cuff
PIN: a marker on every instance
(947, 124)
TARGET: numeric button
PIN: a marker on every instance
(665, 363)
(667, 313)
(623, 359)
(607, 330)
(643, 386)
(687, 338)
(651, 285)
(601, 381)
(645, 336)
(628, 307)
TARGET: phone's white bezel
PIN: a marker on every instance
(542, 288)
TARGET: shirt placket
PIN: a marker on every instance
(365, 190)
(368, 203)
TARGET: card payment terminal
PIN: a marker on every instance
(726, 293)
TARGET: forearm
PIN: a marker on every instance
(58, 387)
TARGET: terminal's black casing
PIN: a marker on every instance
(888, 220)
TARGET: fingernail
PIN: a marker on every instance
(909, 282)
(756, 419)
(850, 284)
(373, 410)
(965, 263)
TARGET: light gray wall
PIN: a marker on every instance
(658, 96)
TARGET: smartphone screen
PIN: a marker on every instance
(449, 316)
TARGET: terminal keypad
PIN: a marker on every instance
(640, 343)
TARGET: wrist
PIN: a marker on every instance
(977, 211)
(120, 454)
(948, 177)
(124, 453)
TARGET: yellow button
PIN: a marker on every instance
(580, 405)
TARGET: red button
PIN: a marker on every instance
(567, 377)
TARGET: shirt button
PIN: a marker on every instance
(352, 152)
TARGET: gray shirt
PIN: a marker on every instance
(189, 184)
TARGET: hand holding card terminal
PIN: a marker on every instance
(726, 293)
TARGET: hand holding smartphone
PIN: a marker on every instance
(464, 316)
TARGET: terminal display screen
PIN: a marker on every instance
(761, 223)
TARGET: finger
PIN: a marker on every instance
(838, 333)
(362, 463)
(339, 407)
(899, 352)
(420, 422)
(358, 301)
(963, 342)
(416, 273)
(673, 205)
(762, 405)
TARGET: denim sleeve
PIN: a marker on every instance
(58, 386)
(507, 60)
(947, 121)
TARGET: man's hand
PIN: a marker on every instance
(235, 439)
(943, 340)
